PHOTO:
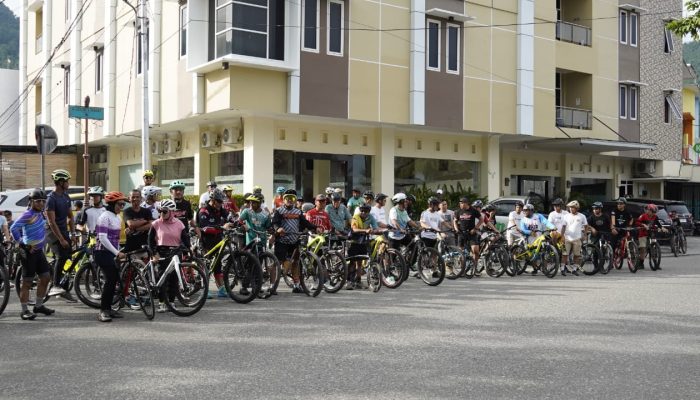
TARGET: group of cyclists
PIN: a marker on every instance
(122, 224)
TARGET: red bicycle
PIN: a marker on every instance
(626, 248)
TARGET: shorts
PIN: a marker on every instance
(397, 243)
(642, 242)
(34, 264)
(467, 239)
(572, 246)
(284, 251)
(358, 249)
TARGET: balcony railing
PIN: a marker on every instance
(574, 118)
(572, 33)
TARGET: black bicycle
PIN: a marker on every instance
(424, 261)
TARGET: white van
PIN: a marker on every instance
(17, 201)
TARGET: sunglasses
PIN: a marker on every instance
(121, 203)
(164, 211)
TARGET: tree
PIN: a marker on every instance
(689, 25)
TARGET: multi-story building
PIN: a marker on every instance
(506, 98)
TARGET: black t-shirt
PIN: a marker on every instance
(600, 223)
(622, 218)
(135, 240)
(183, 212)
(466, 219)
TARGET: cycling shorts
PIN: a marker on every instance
(284, 251)
(468, 239)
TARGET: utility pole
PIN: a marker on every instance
(141, 18)
(86, 154)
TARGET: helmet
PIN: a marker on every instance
(478, 203)
(177, 185)
(217, 195)
(148, 173)
(257, 189)
(254, 197)
(439, 191)
(336, 197)
(398, 198)
(290, 193)
(228, 188)
(211, 183)
(489, 207)
(37, 194)
(368, 193)
(574, 204)
(433, 200)
(557, 202)
(519, 203)
(281, 190)
(411, 198)
(465, 200)
(60, 175)
(167, 204)
(149, 191)
(329, 190)
(380, 196)
(597, 204)
(338, 190)
(529, 206)
(113, 197)
(621, 200)
(652, 207)
(306, 207)
(321, 197)
(96, 190)
(365, 207)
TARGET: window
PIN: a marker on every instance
(557, 89)
(414, 172)
(99, 53)
(668, 41)
(453, 41)
(623, 27)
(335, 27)
(38, 94)
(66, 85)
(670, 108)
(633, 29)
(183, 31)
(558, 4)
(253, 28)
(38, 30)
(66, 10)
(623, 101)
(310, 22)
(433, 42)
(633, 102)
(139, 62)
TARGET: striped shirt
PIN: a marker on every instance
(30, 228)
(111, 225)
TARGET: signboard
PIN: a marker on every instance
(46, 139)
(97, 113)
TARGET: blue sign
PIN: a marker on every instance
(97, 113)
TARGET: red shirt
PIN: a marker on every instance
(646, 220)
(230, 206)
(279, 202)
(319, 218)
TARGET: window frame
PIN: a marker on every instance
(671, 109)
(317, 29)
(622, 27)
(668, 41)
(342, 28)
(622, 102)
(447, 48)
(633, 101)
(427, 44)
(183, 30)
(633, 30)
(99, 69)
(66, 85)
(232, 28)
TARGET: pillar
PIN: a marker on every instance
(491, 167)
(259, 155)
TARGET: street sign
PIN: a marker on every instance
(696, 147)
(97, 113)
(46, 139)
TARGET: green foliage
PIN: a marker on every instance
(690, 24)
(450, 193)
(9, 39)
(691, 54)
(583, 199)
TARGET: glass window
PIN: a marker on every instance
(633, 102)
(246, 17)
(453, 48)
(227, 169)
(183, 31)
(283, 169)
(623, 101)
(419, 172)
(623, 27)
(633, 29)
(335, 27)
(310, 15)
(433, 42)
(181, 169)
(66, 85)
(668, 41)
(98, 69)
(249, 44)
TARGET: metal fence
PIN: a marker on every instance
(572, 33)
(574, 118)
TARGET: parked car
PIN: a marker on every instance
(504, 205)
(17, 201)
(681, 209)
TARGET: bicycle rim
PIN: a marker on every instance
(590, 259)
(453, 257)
(374, 281)
(87, 285)
(606, 260)
(311, 274)
(4, 288)
(655, 256)
(430, 267)
(141, 290)
(550, 261)
(243, 276)
(684, 243)
(191, 293)
(518, 257)
(494, 265)
(393, 267)
(336, 270)
(632, 256)
(270, 274)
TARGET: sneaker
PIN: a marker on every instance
(221, 293)
(43, 310)
(349, 286)
(56, 291)
(563, 271)
(574, 271)
(116, 314)
(210, 295)
(131, 301)
(297, 289)
(104, 316)
(244, 291)
(162, 308)
(27, 315)
(68, 297)
(273, 292)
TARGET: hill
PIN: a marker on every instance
(9, 39)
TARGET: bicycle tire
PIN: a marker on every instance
(632, 256)
(550, 261)
(271, 274)
(141, 290)
(431, 269)
(88, 287)
(494, 263)
(469, 265)
(242, 276)
(453, 257)
(4, 288)
(606, 259)
(674, 244)
(336, 271)
(190, 298)
(590, 259)
(654, 256)
(311, 273)
(32, 289)
(518, 258)
(684, 243)
(374, 276)
(393, 268)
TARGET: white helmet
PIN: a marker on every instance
(574, 204)
(329, 190)
(167, 204)
(149, 191)
(398, 197)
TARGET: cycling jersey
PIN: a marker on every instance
(600, 223)
(319, 218)
(255, 221)
(29, 228)
(89, 217)
(622, 218)
(537, 222)
(166, 232)
(648, 221)
(108, 229)
(293, 222)
(354, 202)
(557, 219)
(153, 208)
(467, 219)
(211, 220)
(402, 218)
(432, 219)
(230, 206)
(183, 211)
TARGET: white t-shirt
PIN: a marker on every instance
(432, 219)
(91, 215)
(378, 213)
(514, 220)
(203, 199)
(574, 226)
(557, 219)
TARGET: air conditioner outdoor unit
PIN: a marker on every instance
(171, 146)
(646, 167)
(232, 136)
(156, 147)
(209, 140)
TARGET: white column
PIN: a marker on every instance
(417, 55)
(258, 154)
(491, 165)
(383, 164)
(110, 68)
(293, 91)
(198, 94)
(526, 67)
(23, 73)
(47, 83)
(154, 43)
(76, 70)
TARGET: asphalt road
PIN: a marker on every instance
(620, 336)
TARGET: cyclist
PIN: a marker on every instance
(288, 222)
(61, 221)
(363, 224)
(278, 201)
(447, 218)
(467, 223)
(646, 221)
(574, 224)
(230, 203)
(204, 198)
(256, 222)
(556, 217)
(339, 214)
(399, 221)
(29, 231)
(148, 178)
(355, 200)
(368, 197)
(183, 207)
(211, 219)
(151, 199)
(599, 223)
(138, 222)
(166, 232)
(430, 220)
(532, 222)
(8, 216)
(88, 218)
(108, 230)
(411, 208)
(513, 226)
(318, 215)
(620, 218)
(378, 211)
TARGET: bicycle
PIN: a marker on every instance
(453, 257)
(628, 249)
(493, 256)
(423, 260)
(368, 267)
(653, 249)
(4, 288)
(590, 257)
(269, 264)
(605, 262)
(311, 271)
(133, 283)
(678, 242)
(393, 266)
(333, 260)
(540, 255)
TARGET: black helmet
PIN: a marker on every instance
(380, 196)
(37, 194)
(557, 202)
(433, 200)
(597, 204)
(217, 195)
(411, 198)
(368, 193)
(290, 191)
(336, 197)
(622, 200)
(365, 207)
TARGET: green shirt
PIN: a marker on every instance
(257, 224)
(353, 203)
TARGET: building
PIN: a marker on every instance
(9, 122)
(523, 97)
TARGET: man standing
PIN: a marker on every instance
(355, 201)
(447, 217)
(60, 219)
(514, 223)
(378, 211)
(211, 219)
(318, 215)
(88, 218)
(148, 178)
(204, 198)
(138, 222)
(339, 214)
(466, 224)
(574, 224)
(183, 208)
(430, 219)
(368, 197)
(556, 217)
(230, 203)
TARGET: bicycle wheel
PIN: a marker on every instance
(243, 276)
(32, 289)
(88, 284)
(550, 261)
(453, 257)
(431, 269)
(654, 256)
(4, 288)
(141, 290)
(192, 289)
(469, 265)
(374, 276)
(518, 258)
(336, 269)
(632, 255)
(606, 259)
(494, 262)
(683, 242)
(393, 268)
(674, 245)
(311, 273)
(271, 274)
(590, 259)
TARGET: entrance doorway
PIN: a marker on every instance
(315, 172)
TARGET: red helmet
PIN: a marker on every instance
(112, 197)
(652, 207)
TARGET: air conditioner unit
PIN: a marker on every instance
(156, 147)
(208, 140)
(646, 167)
(232, 136)
(171, 146)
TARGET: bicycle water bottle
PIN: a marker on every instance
(67, 266)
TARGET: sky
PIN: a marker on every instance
(14, 5)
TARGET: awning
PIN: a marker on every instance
(587, 145)
(661, 179)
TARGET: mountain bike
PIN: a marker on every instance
(677, 241)
(605, 250)
(540, 254)
(626, 248)
(134, 284)
(590, 257)
(332, 259)
(311, 271)
(269, 264)
(453, 257)
(493, 256)
(4, 288)
(653, 249)
(424, 261)
(393, 266)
